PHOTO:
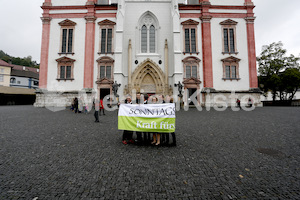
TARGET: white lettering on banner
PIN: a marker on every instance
(152, 125)
(166, 125)
(147, 117)
(140, 124)
(160, 111)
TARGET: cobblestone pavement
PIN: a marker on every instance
(219, 155)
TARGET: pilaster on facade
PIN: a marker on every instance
(46, 20)
(253, 82)
(91, 2)
(44, 52)
(89, 48)
(249, 3)
(207, 51)
(250, 20)
(205, 2)
(47, 3)
(206, 18)
(90, 19)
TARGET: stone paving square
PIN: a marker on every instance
(219, 155)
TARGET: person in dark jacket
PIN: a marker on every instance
(127, 135)
(76, 105)
(139, 138)
(96, 113)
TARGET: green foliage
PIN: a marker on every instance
(26, 61)
(290, 83)
(278, 72)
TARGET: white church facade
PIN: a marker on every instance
(147, 46)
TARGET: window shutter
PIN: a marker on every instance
(64, 41)
(194, 71)
(187, 40)
(188, 72)
(108, 72)
(227, 71)
(102, 72)
(152, 39)
(69, 68)
(193, 40)
(70, 41)
(144, 39)
(62, 72)
(226, 47)
(109, 40)
(233, 72)
(232, 47)
(103, 40)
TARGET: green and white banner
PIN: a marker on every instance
(147, 117)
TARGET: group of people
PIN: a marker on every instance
(147, 138)
(77, 106)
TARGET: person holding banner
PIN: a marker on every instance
(150, 118)
(156, 136)
(138, 100)
(127, 135)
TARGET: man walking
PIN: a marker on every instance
(96, 114)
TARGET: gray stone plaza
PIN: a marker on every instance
(219, 155)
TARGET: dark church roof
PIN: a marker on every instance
(22, 73)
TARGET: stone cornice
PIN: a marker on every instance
(206, 18)
(105, 59)
(65, 60)
(190, 22)
(45, 4)
(250, 20)
(228, 22)
(231, 59)
(106, 22)
(67, 22)
(46, 20)
(90, 19)
(191, 60)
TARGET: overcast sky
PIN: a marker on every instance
(21, 27)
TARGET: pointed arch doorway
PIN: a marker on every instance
(148, 78)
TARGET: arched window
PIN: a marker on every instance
(12, 80)
(231, 68)
(144, 39)
(148, 33)
(191, 67)
(152, 39)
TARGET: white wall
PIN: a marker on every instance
(97, 48)
(228, 2)
(68, 2)
(217, 56)
(134, 10)
(21, 82)
(199, 43)
(54, 49)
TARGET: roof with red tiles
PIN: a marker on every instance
(24, 68)
(5, 64)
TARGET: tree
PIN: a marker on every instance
(290, 83)
(26, 61)
(272, 63)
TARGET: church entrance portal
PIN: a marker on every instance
(104, 92)
(148, 78)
